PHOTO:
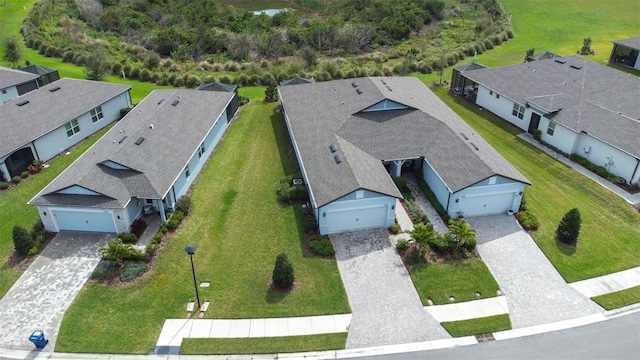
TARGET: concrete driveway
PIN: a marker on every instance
(41, 296)
(535, 291)
(385, 306)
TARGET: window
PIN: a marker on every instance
(201, 150)
(96, 114)
(72, 127)
(552, 128)
(186, 171)
(518, 111)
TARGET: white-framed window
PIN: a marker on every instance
(552, 128)
(72, 127)
(186, 171)
(518, 111)
(201, 150)
(96, 114)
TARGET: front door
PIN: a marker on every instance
(534, 122)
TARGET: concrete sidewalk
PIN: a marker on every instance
(608, 283)
(469, 309)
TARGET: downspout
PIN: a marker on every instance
(33, 146)
(635, 171)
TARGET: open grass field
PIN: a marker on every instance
(267, 345)
(239, 227)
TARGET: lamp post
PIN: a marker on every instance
(191, 249)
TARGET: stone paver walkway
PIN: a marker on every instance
(608, 283)
(386, 308)
(40, 297)
(535, 292)
(425, 205)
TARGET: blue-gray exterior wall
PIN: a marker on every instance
(349, 201)
(436, 184)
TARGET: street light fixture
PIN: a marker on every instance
(191, 249)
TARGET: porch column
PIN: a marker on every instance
(158, 205)
(396, 168)
(5, 171)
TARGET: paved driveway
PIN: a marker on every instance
(40, 297)
(385, 306)
(535, 291)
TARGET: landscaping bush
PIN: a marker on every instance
(527, 220)
(569, 228)
(462, 234)
(402, 244)
(16, 179)
(22, 240)
(442, 243)
(4, 186)
(132, 269)
(24, 174)
(151, 248)
(104, 270)
(309, 222)
(117, 251)
(175, 220)
(184, 204)
(283, 276)
(322, 247)
(537, 134)
(415, 255)
(433, 200)
(395, 229)
(127, 238)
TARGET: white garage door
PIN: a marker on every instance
(84, 221)
(486, 204)
(353, 219)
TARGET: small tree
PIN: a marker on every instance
(569, 228)
(586, 47)
(184, 204)
(22, 240)
(271, 94)
(97, 65)
(529, 53)
(12, 50)
(282, 272)
(423, 234)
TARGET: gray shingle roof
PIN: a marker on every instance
(11, 77)
(328, 113)
(156, 163)
(47, 111)
(593, 98)
(633, 42)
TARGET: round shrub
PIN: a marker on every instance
(322, 247)
(132, 269)
(24, 175)
(569, 228)
(67, 56)
(135, 72)
(403, 244)
(209, 79)
(282, 276)
(527, 220)
(104, 270)
(4, 186)
(488, 44)
(22, 240)
(116, 68)
(175, 220)
(145, 75)
(16, 179)
(184, 204)
(128, 238)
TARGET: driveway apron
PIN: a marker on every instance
(40, 297)
(535, 291)
(385, 306)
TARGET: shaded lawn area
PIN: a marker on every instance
(478, 326)
(618, 299)
(609, 235)
(14, 209)
(265, 345)
(239, 227)
(460, 279)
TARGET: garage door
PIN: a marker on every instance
(84, 221)
(486, 204)
(354, 219)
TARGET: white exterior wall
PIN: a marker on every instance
(57, 141)
(503, 107)
(563, 138)
(614, 160)
(468, 194)
(380, 200)
(7, 94)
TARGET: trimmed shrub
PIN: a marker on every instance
(527, 220)
(104, 270)
(403, 244)
(395, 229)
(175, 220)
(157, 238)
(184, 204)
(309, 222)
(322, 247)
(118, 252)
(132, 269)
(16, 179)
(4, 186)
(537, 134)
(151, 248)
(22, 240)
(443, 243)
(127, 238)
(569, 228)
(283, 275)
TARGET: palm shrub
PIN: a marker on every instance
(423, 234)
(462, 234)
(117, 251)
(283, 272)
(569, 228)
(22, 240)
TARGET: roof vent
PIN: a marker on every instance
(175, 102)
(160, 102)
(474, 146)
(140, 140)
(464, 136)
(383, 82)
(561, 61)
(151, 126)
(359, 91)
(388, 88)
(121, 140)
(333, 148)
(338, 159)
(354, 84)
(54, 89)
(577, 67)
(23, 102)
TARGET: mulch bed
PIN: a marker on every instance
(22, 262)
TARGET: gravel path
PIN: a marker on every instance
(385, 305)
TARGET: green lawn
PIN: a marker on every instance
(478, 326)
(618, 299)
(239, 227)
(460, 279)
(266, 345)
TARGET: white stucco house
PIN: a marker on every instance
(45, 122)
(144, 163)
(352, 136)
(14, 83)
(580, 106)
(625, 52)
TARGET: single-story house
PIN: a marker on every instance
(45, 122)
(141, 166)
(45, 75)
(352, 136)
(580, 106)
(233, 106)
(625, 52)
(14, 83)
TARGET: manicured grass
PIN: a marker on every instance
(618, 299)
(14, 209)
(478, 326)
(239, 227)
(266, 345)
(460, 279)
(609, 234)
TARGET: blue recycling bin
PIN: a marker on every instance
(37, 337)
